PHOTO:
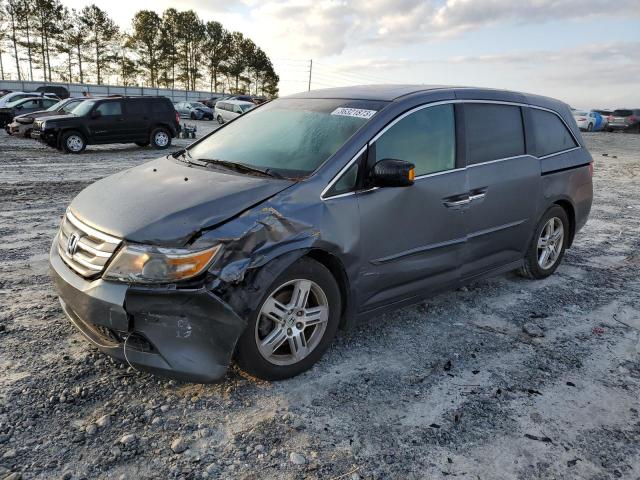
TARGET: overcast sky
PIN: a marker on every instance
(584, 52)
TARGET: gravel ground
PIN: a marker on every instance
(505, 378)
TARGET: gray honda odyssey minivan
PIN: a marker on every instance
(259, 241)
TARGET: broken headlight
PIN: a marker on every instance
(148, 264)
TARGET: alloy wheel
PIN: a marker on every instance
(292, 322)
(550, 243)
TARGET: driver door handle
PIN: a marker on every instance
(457, 203)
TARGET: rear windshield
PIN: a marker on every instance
(291, 136)
(622, 113)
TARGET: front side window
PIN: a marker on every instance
(109, 108)
(291, 136)
(493, 132)
(550, 133)
(425, 138)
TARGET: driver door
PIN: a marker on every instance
(109, 124)
(412, 238)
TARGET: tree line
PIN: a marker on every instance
(47, 41)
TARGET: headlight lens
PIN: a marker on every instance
(148, 264)
(43, 125)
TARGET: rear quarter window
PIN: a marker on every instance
(550, 133)
(493, 132)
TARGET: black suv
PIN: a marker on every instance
(139, 120)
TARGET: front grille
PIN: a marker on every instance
(89, 250)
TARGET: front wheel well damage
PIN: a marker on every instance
(334, 265)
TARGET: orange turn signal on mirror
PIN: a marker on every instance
(412, 174)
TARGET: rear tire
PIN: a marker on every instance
(590, 127)
(548, 244)
(220, 120)
(160, 138)
(193, 116)
(304, 330)
(73, 142)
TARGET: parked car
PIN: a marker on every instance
(605, 114)
(194, 110)
(227, 110)
(244, 98)
(626, 120)
(585, 120)
(22, 106)
(58, 90)
(23, 124)
(260, 249)
(139, 120)
(14, 96)
(211, 101)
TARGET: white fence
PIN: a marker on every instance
(77, 89)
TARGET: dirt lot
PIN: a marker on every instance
(505, 378)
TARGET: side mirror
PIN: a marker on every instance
(392, 173)
(96, 114)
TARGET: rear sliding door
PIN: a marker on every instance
(504, 186)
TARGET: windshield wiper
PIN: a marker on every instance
(241, 167)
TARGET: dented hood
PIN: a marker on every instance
(165, 202)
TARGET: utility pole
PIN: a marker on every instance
(310, 69)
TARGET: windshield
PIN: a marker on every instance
(290, 136)
(199, 105)
(84, 108)
(244, 107)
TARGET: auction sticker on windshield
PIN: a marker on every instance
(354, 112)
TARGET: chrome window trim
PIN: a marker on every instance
(337, 176)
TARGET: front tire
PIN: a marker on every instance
(548, 244)
(160, 138)
(220, 119)
(294, 325)
(73, 142)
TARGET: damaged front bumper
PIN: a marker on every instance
(189, 334)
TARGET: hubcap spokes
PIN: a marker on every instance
(550, 243)
(74, 143)
(292, 322)
(162, 139)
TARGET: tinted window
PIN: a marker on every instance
(551, 134)
(492, 132)
(109, 108)
(157, 105)
(46, 103)
(136, 107)
(425, 138)
(31, 104)
(622, 113)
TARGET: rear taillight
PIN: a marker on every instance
(582, 119)
(591, 169)
(609, 118)
(632, 119)
(177, 118)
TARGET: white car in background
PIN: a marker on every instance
(227, 110)
(586, 120)
(15, 96)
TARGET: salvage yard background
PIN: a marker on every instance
(504, 378)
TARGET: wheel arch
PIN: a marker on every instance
(172, 130)
(568, 207)
(335, 266)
